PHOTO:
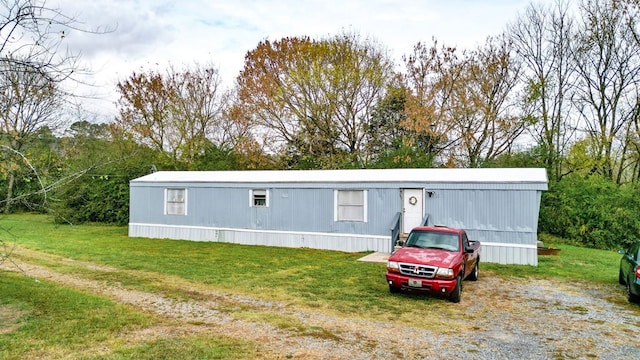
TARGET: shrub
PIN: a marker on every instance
(593, 212)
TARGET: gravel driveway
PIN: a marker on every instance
(496, 319)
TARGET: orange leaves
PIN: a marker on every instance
(310, 97)
(461, 102)
(178, 113)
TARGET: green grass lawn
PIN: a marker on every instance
(307, 276)
(40, 320)
(572, 263)
(52, 316)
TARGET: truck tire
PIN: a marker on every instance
(457, 291)
(473, 276)
(394, 289)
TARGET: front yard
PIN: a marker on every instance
(92, 292)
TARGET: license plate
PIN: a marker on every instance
(415, 283)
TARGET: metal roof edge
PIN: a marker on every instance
(475, 175)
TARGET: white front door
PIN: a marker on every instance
(412, 208)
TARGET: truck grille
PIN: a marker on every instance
(418, 270)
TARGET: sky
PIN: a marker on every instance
(149, 35)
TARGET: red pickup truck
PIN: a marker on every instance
(434, 259)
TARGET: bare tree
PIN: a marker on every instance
(202, 103)
(33, 64)
(29, 101)
(464, 104)
(32, 35)
(483, 112)
(608, 64)
(432, 71)
(630, 10)
(541, 39)
(177, 113)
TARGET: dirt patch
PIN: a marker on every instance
(496, 319)
(10, 316)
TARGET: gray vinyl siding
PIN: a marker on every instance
(290, 209)
(493, 217)
(500, 213)
(496, 214)
(300, 213)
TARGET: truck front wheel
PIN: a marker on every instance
(394, 289)
(457, 291)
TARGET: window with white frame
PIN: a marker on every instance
(350, 205)
(259, 198)
(175, 201)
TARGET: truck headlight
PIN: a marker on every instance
(444, 273)
(393, 266)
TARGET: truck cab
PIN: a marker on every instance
(434, 259)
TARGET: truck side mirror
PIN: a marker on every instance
(467, 247)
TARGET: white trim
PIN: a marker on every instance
(482, 243)
(166, 200)
(510, 245)
(257, 231)
(336, 206)
(365, 203)
(266, 197)
(475, 175)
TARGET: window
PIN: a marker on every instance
(433, 239)
(350, 205)
(175, 202)
(258, 198)
(635, 251)
(465, 240)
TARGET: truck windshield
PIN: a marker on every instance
(433, 240)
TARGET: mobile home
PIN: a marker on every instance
(345, 210)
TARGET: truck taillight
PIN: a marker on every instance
(638, 272)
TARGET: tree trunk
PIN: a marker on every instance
(9, 199)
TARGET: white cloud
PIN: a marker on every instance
(153, 34)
